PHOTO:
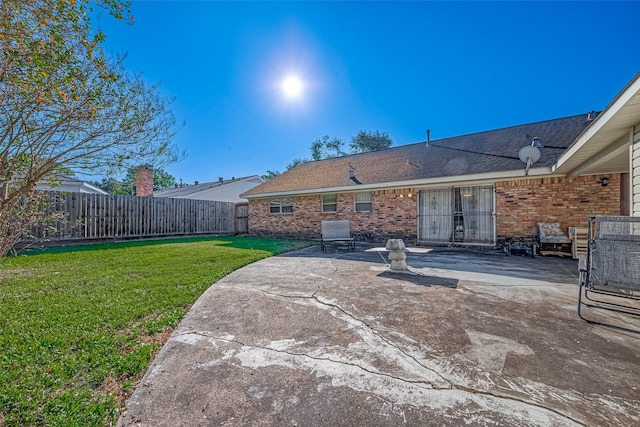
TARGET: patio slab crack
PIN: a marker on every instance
(253, 356)
(438, 382)
(321, 359)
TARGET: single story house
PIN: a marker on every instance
(223, 190)
(69, 184)
(474, 189)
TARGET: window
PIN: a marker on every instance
(329, 203)
(284, 205)
(363, 202)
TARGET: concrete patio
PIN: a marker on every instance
(327, 339)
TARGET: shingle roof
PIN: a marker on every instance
(482, 152)
(224, 191)
(69, 184)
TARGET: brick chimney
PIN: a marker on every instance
(144, 180)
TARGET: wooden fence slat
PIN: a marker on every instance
(96, 216)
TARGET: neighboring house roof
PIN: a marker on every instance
(69, 184)
(490, 154)
(223, 191)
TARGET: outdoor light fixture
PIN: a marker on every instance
(604, 181)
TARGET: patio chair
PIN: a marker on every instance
(578, 236)
(553, 241)
(610, 272)
(336, 232)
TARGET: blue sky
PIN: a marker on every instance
(397, 67)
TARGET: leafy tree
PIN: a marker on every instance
(65, 104)
(66, 171)
(113, 186)
(161, 180)
(326, 148)
(269, 174)
(295, 162)
(365, 141)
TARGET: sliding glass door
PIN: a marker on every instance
(435, 215)
(457, 215)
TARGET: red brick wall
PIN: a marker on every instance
(144, 181)
(393, 215)
(522, 203)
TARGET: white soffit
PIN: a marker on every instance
(439, 182)
(599, 149)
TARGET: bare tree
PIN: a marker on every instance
(30, 211)
(64, 104)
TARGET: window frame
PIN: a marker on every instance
(369, 202)
(284, 205)
(334, 203)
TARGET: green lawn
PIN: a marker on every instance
(79, 325)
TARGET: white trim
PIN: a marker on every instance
(329, 204)
(610, 152)
(459, 180)
(620, 101)
(370, 202)
(281, 205)
(93, 188)
(633, 206)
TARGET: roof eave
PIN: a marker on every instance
(475, 179)
(595, 133)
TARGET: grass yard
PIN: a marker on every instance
(79, 325)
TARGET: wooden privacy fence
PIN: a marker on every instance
(97, 216)
(242, 218)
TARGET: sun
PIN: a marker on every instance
(292, 87)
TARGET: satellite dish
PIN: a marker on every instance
(529, 152)
(529, 155)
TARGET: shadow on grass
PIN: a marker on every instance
(274, 246)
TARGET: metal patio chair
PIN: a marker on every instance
(337, 232)
(610, 272)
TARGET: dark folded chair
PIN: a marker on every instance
(610, 272)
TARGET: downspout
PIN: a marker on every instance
(495, 215)
(417, 215)
(634, 146)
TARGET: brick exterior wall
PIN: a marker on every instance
(520, 204)
(393, 216)
(144, 181)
